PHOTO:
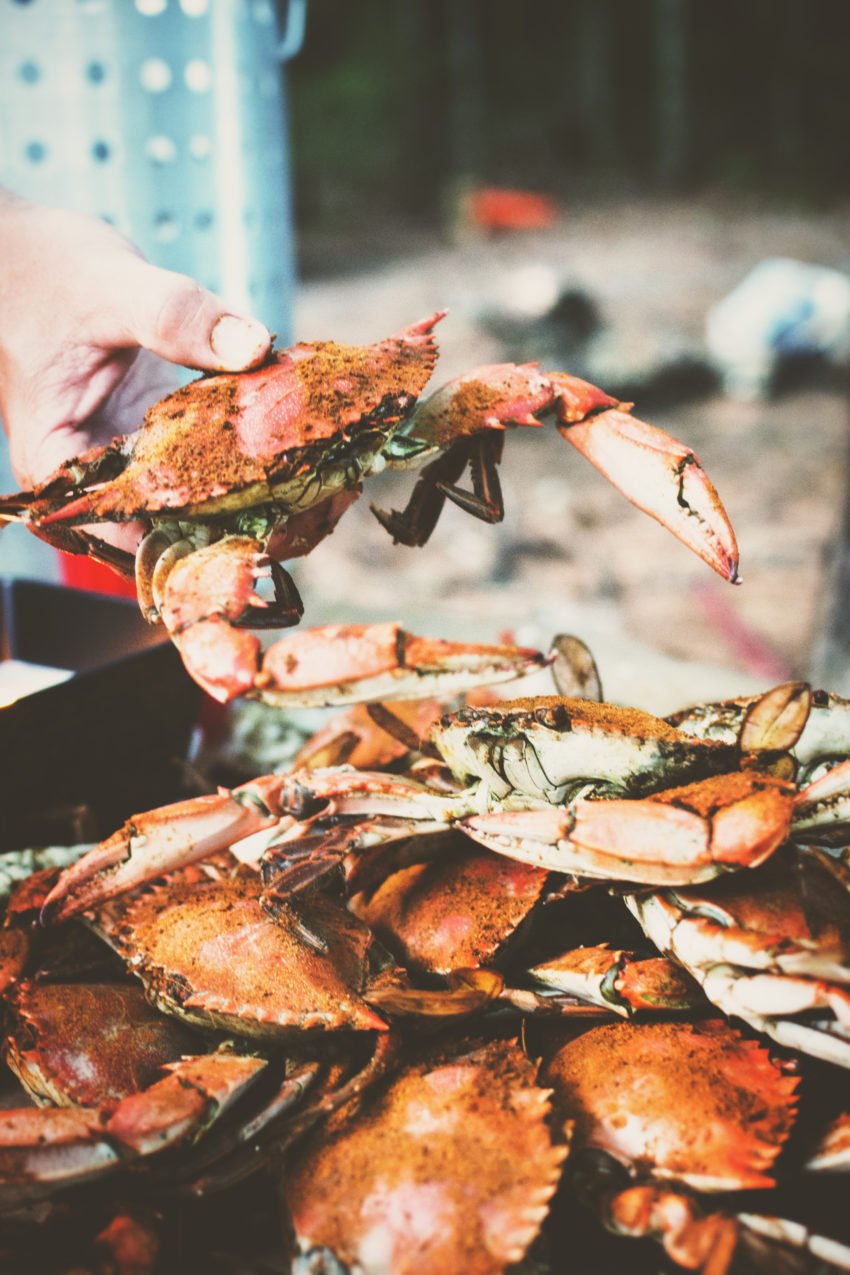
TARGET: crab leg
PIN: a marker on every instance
(822, 809)
(655, 472)
(677, 837)
(756, 955)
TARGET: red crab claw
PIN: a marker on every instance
(43, 1149)
(693, 1239)
(209, 593)
(161, 841)
(346, 664)
(653, 470)
(464, 419)
(174, 836)
(680, 836)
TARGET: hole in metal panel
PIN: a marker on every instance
(36, 152)
(198, 76)
(161, 149)
(166, 227)
(155, 75)
(29, 72)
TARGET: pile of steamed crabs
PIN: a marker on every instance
(473, 965)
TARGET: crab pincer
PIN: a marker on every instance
(333, 665)
(770, 949)
(43, 1149)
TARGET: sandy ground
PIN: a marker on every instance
(572, 554)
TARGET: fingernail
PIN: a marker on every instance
(239, 343)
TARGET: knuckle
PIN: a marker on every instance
(179, 309)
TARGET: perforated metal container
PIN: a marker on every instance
(167, 117)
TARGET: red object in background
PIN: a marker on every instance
(79, 572)
(496, 208)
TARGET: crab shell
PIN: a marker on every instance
(90, 1044)
(695, 1102)
(540, 746)
(451, 1169)
(234, 441)
(455, 912)
(816, 722)
(210, 954)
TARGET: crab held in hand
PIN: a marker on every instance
(236, 472)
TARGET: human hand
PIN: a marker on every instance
(81, 316)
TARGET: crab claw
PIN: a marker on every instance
(161, 841)
(620, 981)
(174, 836)
(466, 417)
(348, 664)
(677, 837)
(654, 471)
(206, 595)
(694, 1240)
(43, 1149)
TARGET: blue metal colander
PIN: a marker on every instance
(167, 118)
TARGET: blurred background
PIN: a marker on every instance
(652, 194)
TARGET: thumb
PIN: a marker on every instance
(174, 317)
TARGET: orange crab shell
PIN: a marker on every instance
(696, 1102)
(455, 912)
(210, 954)
(234, 433)
(451, 1169)
(90, 1044)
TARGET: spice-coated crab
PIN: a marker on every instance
(234, 473)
